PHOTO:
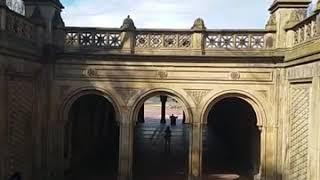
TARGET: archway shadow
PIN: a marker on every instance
(231, 140)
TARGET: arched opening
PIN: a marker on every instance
(231, 139)
(161, 140)
(91, 139)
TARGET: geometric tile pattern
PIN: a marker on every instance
(299, 132)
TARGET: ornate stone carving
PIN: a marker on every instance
(197, 94)
(91, 72)
(295, 17)
(299, 131)
(163, 40)
(93, 39)
(64, 90)
(264, 93)
(235, 75)
(127, 93)
(271, 24)
(162, 74)
(303, 71)
(19, 26)
(238, 41)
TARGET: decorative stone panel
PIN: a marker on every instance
(299, 131)
(197, 94)
(20, 108)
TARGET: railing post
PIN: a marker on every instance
(39, 23)
(198, 37)
(284, 11)
(128, 36)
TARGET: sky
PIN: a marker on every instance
(217, 14)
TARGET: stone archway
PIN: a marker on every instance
(149, 141)
(91, 137)
(231, 138)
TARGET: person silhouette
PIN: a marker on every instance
(167, 139)
(173, 120)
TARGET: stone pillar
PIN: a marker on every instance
(314, 145)
(283, 11)
(163, 100)
(126, 146)
(198, 37)
(183, 117)
(3, 122)
(270, 141)
(141, 115)
(195, 152)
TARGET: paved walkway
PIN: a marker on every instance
(150, 156)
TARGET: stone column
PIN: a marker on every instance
(314, 145)
(195, 152)
(198, 29)
(3, 121)
(163, 100)
(183, 117)
(141, 115)
(125, 146)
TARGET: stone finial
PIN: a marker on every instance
(271, 24)
(198, 25)
(37, 17)
(128, 24)
(57, 21)
(285, 4)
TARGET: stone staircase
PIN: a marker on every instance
(150, 156)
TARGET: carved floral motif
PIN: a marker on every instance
(197, 94)
(235, 75)
(127, 93)
(162, 74)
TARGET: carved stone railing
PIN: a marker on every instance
(151, 40)
(163, 39)
(92, 38)
(236, 39)
(19, 25)
(306, 30)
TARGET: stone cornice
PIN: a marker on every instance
(272, 59)
(289, 4)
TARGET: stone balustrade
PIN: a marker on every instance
(306, 30)
(18, 25)
(163, 39)
(93, 37)
(235, 39)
